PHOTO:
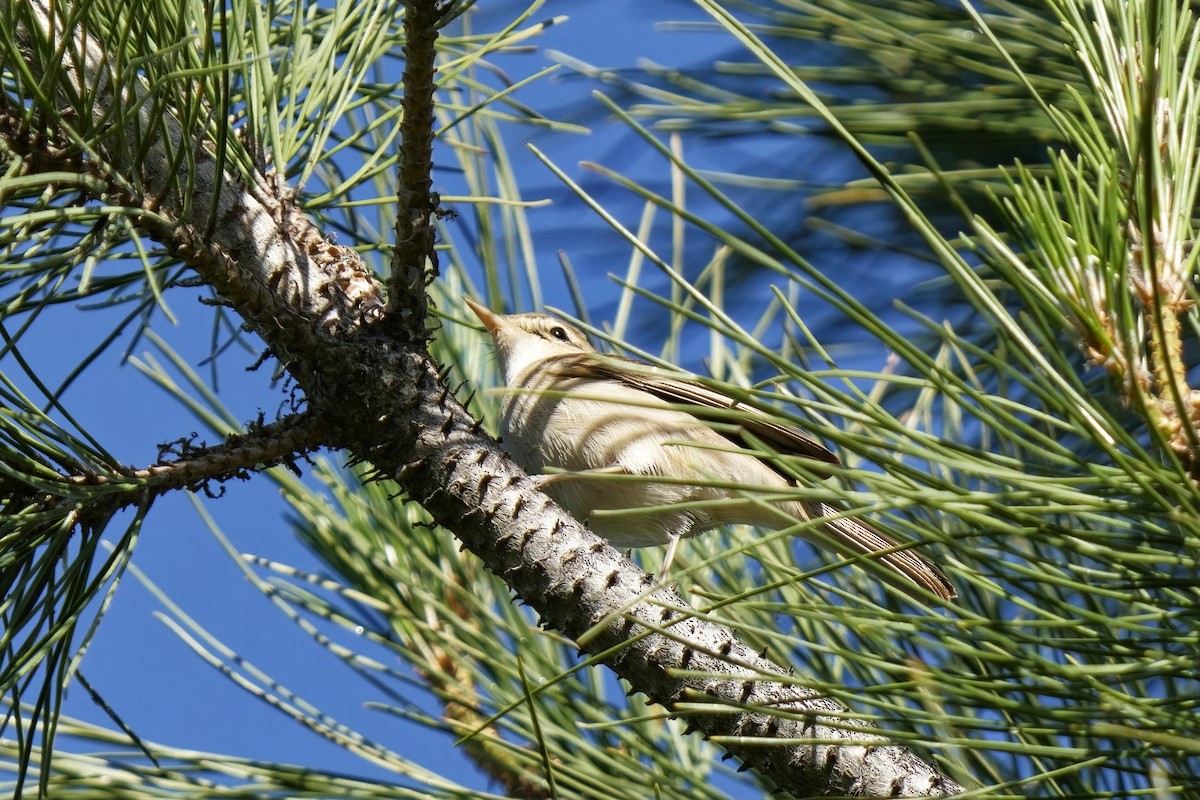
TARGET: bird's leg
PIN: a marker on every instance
(542, 481)
(668, 557)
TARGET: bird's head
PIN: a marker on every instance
(524, 339)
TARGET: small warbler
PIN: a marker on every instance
(589, 415)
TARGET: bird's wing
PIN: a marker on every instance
(702, 402)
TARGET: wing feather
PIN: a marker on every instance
(702, 402)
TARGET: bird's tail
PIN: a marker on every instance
(859, 538)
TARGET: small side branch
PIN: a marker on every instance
(84, 497)
(181, 465)
(415, 233)
(194, 467)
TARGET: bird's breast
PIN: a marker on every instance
(573, 424)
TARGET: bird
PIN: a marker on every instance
(573, 418)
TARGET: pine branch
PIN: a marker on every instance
(418, 203)
(385, 401)
(192, 467)
(264, 445)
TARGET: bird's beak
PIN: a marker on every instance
(491, 320)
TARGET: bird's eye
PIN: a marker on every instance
(560, 333)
